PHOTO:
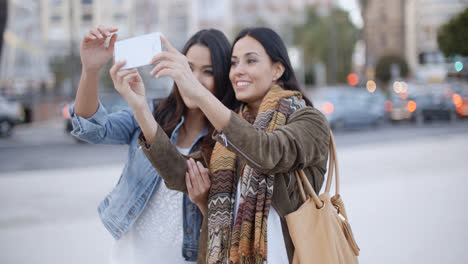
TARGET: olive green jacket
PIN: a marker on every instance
(302, 143)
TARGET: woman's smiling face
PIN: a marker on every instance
(252, 72)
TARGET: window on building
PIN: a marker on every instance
(383, 40)
(119, 16)
(383, 17)
(86, 2)
(87, 17)
(55, 18)
(55, 2)
(427, 31)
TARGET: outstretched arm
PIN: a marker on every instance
(94, 55)
(175, 65)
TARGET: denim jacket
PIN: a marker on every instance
(122, 206)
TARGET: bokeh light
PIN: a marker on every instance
(411, 106)
(404, 87)
(457, 100)
(65, 112)
(397, 87)
(328, 108)
(353, 79)
(458, 66)
(371, 86)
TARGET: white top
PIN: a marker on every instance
(276, 249)
(153, 238)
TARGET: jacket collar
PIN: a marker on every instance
(175, 133)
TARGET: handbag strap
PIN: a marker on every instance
(333, 167)
(301, 179)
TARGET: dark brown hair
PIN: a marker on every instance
(169, 111)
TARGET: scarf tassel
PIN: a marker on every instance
(257, 259)
(221, 236)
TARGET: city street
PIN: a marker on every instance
(390, 76)
(403, 186)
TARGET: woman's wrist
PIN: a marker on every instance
(217, 113)
(90, 73)
(202, 95)
(146, 121)
(203, 208)
(140, 107)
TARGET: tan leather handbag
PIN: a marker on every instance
(319, 229)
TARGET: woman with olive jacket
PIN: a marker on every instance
(258, 149)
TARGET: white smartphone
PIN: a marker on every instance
(137, 51)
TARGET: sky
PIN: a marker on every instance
(353, 8)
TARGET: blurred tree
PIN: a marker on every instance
(3, 21)
(314, 38)
(453, 35)
(383, 69)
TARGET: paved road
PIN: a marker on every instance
(404, 188)
(47, 146)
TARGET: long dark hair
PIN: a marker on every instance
(170, 110)
(276, 50)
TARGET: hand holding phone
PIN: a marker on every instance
(137, 51)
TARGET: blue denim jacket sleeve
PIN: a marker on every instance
(103, 128)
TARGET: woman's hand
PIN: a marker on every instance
(174, 64)
(129, 84)
(93, 50)
(198, 184)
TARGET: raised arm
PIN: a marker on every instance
(130, 85)
(94, 55)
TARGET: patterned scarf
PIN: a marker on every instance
(248, 243)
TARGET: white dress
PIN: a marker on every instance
(157, 234)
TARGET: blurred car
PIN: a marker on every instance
(11, 114)
(434, 106)
(377, 104)
(350, 108)
(112, 103)
(401, 108)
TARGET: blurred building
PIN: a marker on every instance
(23, 65)
(277, 14)
(64, 22)
(408, 28)
(384, 28)
(176, 19)
(216, 14)
(42, 32)
(423, 20)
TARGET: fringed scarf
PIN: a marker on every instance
(248, 242)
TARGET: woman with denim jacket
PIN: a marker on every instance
(150, 222)
(276, 132)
